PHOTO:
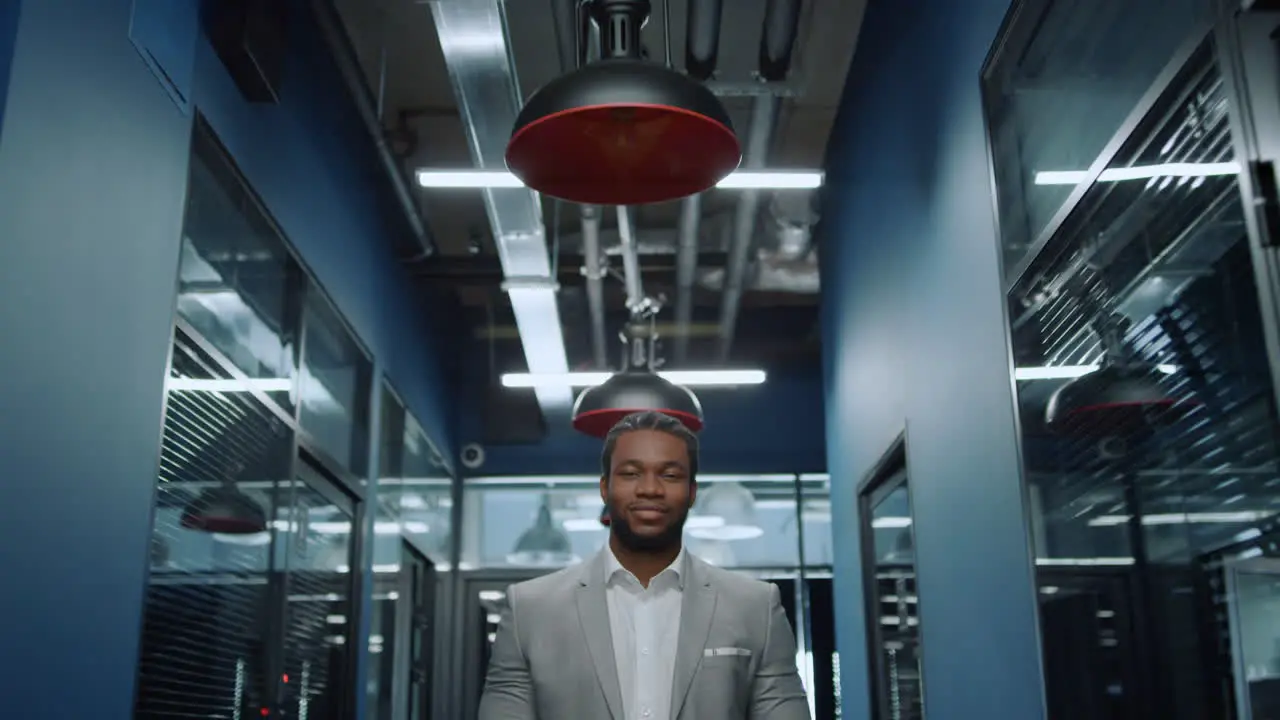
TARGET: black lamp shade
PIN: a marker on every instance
(1114, 401)
(224, 510)
(623, 132)
(599, 408)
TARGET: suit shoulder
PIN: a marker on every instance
(548, 586)
(739, 583)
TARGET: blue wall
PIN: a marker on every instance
(915, 338)
(93, 168)
(776, 427)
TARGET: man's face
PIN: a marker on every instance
(648, 491)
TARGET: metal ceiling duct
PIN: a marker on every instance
(594, 270)
(764, 117)
(686, 273)
(778, 37)
(473, 36)
(370, 114)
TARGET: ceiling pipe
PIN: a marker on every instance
(777, 43)
(630, 260)
(778, 39)
(473, 38)
(569, 28)
(686, 273)
(594, 272)
(572, 28)
(702, 38)
(764, 116)
(344, 55)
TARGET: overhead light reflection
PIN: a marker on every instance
(1139, 172)
(740, 180)
(689, 378)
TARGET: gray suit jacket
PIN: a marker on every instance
(553, 656)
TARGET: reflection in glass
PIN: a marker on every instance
(334, 390)
(318, 552)
(1254, 597)
(414, 506)
(212, 590)
(753, 522)
(1062, 82)
(895, 619)
(1154, 460)
(238, 286)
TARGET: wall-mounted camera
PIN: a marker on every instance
(472, 456)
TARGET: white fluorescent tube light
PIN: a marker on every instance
(1140, 172)
(220, 385)
(740, 180)
(1068, 372)
(1201, 518)
(699, 378)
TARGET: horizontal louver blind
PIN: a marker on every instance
(206, 645)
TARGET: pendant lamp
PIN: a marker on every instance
(1114, 400)
(543, 543)
(224, 510)
(1123, 397)
(636, 389)
(621, 130)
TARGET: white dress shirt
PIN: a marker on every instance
(645, 623)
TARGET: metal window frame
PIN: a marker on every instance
(889, 473)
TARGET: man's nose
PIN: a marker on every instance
(649, 486)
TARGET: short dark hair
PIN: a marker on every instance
(650, 420)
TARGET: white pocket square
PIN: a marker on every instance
(726, 651)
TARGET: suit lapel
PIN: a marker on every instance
(697, 607)
(593, 613)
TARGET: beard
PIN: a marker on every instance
(631, 540)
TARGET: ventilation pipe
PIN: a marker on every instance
(345, 57)
(702, 38)
(686, 272)
(594, 271)
(778, 40)
(473, 37)
(702, 50)
(777, 43)
(573, 34)
(764, 117)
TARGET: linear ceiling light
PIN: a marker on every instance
(1191, 518)
(698, 378)
(1068, 372)
(740, 180)
(1139, 172)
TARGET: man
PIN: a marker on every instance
(644, 631)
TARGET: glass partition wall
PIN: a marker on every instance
(775, 526)
(258, 553)
(1139, 255)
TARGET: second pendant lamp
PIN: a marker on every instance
(636, 389)
(621, 130)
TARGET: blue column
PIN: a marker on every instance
(915, 338)
(93, 166)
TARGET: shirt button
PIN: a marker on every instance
(645, 713)
(644, 651)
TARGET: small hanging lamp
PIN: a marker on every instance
(621, 130)
(224, 510)
(637, 388)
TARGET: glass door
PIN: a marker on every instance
(318, 627)
(416, 621)
(1253, 601)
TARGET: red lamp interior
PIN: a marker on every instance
(597, 423)
(623, 154)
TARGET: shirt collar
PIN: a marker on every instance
(676, 569)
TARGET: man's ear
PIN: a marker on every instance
(604, 489)
(693, 493)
